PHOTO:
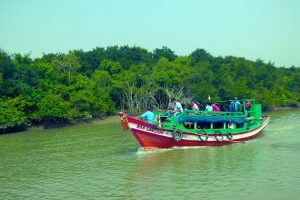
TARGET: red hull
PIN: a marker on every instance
(150, 136)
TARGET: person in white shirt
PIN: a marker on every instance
(177, 107)
(208, 108)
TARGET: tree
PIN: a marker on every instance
(200, 55)
(53, 108)
(12, 114)
(67, 64)
(164, 52)
(110, 66)
(6, 67)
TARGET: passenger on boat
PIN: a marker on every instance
(230, 125)
(208, 108)
(148, 116)
(237, 105)
(194, 106)
(216, 108)
(248, 105)
(234, 105)
(176, 106)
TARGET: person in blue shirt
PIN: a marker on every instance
(237, 105)
(148, 116)
(234, 105)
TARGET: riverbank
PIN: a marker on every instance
(109, 120)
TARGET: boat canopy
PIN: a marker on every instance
(237, 120)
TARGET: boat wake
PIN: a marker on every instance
(280, 128)
(144, 151)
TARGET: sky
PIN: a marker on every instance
(254, 29)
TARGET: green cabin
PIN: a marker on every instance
(221, 122)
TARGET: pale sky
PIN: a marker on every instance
(254, 29)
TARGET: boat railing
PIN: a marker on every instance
(212, 114)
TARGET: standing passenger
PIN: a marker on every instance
(237, 105)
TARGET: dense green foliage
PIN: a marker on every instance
(85, 85)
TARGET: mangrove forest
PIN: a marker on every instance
(85, 85)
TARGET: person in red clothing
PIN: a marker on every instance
(248, 105)
(216, 108)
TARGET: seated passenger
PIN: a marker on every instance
(216, 108)
(230, 125)
(248, 105)
(194, 106)
(148, 116)
(208, 108)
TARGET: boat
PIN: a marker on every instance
(199, 128)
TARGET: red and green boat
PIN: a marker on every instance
(199, 128)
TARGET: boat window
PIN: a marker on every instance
(230, 125)
(203, 125)
(189, 125)
(218, 125)
(240, 125)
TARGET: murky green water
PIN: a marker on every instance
(103, 162)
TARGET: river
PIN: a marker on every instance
(100, 161)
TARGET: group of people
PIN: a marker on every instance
(208, 108)
(176, 107)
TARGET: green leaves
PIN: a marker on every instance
(53, 106)
(85, 85)
(12, 113)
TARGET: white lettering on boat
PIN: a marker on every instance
(153, 130)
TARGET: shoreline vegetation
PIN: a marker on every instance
(113, 119)
(107, 120)
(66, 89)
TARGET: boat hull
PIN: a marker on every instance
(150, 136)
